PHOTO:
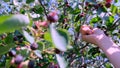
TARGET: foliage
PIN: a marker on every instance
(32, 29)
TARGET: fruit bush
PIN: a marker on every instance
(45, 33)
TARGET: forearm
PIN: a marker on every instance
(111, 50)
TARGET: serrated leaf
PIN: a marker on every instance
(28, 37)
(13, 22)
(61, 61)
(59, 38)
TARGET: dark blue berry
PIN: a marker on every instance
(31, 64)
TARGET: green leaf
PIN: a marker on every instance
(4, 49)
(94, 51)
(13, 22)
(29, 1)
(47, 36)
(28, 37)
(41, 46)
(108, 65)
(8, 44)
(9, 38)
(6, 0)
(38, 9)
(95, 20)
(77, 18)
(109, 21)
(7, 64)
(59, 38)
(114, 9)
(76, 11)
(24, 52)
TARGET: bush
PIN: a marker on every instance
(45, 33)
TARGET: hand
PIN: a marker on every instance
(92, 35)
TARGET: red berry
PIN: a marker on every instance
(52, 17)
(108, 1)
(18, 59)
(108, 5)
(34, 46)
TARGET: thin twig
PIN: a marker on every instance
(114, 24)
(40, 1)
(103, 63)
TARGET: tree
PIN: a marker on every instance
(45, 33)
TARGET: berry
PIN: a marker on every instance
(52, 17)
(108, 5)
(108, 1)
(12, 53)
(21, 40)
(57, 51)
(15, 38)
(82, 15)
(31, 64)
(96, 6)
(87, 3)
(34, 46)
(20, 36)
(18, 59)
(100, 5)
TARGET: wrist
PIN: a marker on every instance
(104, 41)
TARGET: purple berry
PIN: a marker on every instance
(52, 17)
(108, 5)
(34, 46)
(18, 59)
(12, 53)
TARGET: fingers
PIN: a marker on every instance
(87, 38)
(86, 30)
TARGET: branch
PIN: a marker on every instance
(114, 24)
(40, 1)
